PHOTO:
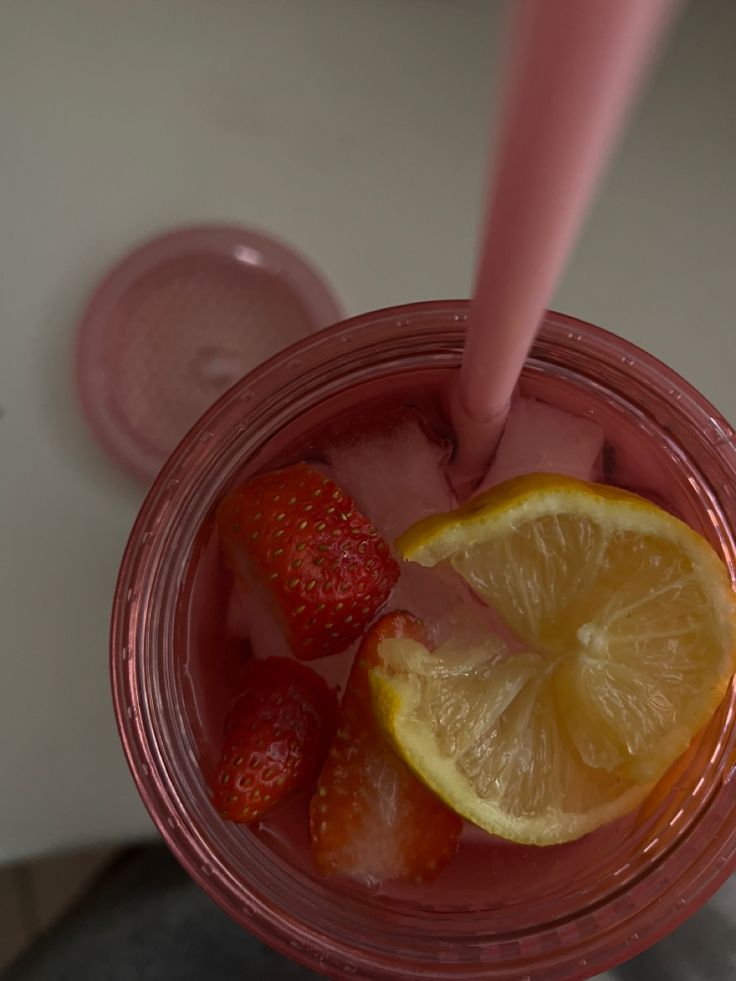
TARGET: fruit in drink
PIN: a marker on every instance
(629, 625)
(276, 737)
(370, 817)
(298, 539)
(559, 728)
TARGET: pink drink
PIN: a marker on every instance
(498, 910)
(486, 869)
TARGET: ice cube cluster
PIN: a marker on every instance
(395, 476)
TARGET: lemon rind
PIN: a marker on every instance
(394, 701)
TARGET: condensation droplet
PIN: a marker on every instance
(295, 363)
(145, 769)
(247, 395)
(206, 437)
(127, 653)
(131, 712)
(206, 868)
(172, 822)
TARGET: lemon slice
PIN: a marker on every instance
(628, 618)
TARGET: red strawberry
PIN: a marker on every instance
(371, 818)
(276, 737)
(298, 536)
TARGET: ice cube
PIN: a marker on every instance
(237, 613)
(438, 596)
(395, 476)
(539, 438)
(250, 617)
(450, 610)
(646, 474)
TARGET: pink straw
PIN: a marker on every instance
(576, 65)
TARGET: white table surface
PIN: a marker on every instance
(355, 129)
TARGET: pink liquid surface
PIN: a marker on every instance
(486, 872)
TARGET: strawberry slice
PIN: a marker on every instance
(371, 818)
(276, 737)
(299, 538)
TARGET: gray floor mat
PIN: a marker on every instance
(145, 920)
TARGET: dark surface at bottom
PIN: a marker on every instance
(145, 920)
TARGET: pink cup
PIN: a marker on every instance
(604, 899)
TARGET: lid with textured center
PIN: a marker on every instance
(177, 322)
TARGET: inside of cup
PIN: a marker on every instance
(498, 906)
(514, 884)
